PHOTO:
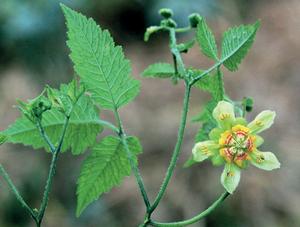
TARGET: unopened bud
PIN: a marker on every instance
(166, 13)
(194, 19)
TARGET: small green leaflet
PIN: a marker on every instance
(100, 64)
(105, 168)
(161, 70)
(207, 40)
(81, 132)
(3, 139)
(236, 43)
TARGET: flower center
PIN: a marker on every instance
(236, 143)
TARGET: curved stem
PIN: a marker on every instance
(16, 192)
(108, 125)
(196, 218)
(176, 149)
(133, 165)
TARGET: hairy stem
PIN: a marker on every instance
(194, 219)
(51, 173)
(220, 83)
(133, 165)
(16, 192)
(179, 66)
(44, 135)
(177, 149)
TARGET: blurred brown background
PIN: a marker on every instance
(33, 53)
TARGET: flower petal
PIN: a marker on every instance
(263, 121)
(224, 114)
(203, 150)
(230, 177)
(264, 160)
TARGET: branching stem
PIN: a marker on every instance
(133, 165)
(51, 174)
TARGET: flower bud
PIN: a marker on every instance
(166, 13)
(248, 104)
(194, 19)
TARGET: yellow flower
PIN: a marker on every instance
(234, 143)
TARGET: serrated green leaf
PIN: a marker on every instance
(100, 64)
(206, 40)
(81, 132)
(236, 43)
(161, 70)
(211, 83)
(105, 168)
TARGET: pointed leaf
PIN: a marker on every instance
(161, 70)
(100, 64)
(207, 40)
(104, 168)
(236, 43)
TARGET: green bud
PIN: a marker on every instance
(166, 13)
(248, 104)
(40, 105)
(168, 23)
(34, 109)
(194, 19)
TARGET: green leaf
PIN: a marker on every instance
(3, 139)
(161, 70)
(206, 40)
(81, 132)
(211, 83)
(236, 43)
(100, 64)
(105, 168)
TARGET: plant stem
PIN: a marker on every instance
(51, 173)
(185, 29)
(179, 66)
(108, 125)
(133, 165)
(177, 148)
(196, 218)
(220, 83)
(45, 137)
(16, 192)
(218, 64)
